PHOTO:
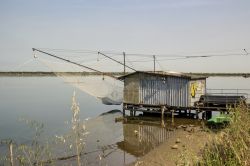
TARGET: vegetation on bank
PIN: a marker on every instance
(232, 145)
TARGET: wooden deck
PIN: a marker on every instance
(190, 112)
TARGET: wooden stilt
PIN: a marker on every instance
(124, 109)
(203, 115)
(172, 113)
(189, 113)
(11, 153)
(208, 114)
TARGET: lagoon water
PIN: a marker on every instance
(48, 100)
(44, 99)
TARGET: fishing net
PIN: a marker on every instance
(105, 88)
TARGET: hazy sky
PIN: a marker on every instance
(134, 26)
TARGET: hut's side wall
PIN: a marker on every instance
(131, 89)
(167, 90)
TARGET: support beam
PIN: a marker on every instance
(154, 62)
(124, 63)
(77, 64)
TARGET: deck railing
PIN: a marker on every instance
(230, 92)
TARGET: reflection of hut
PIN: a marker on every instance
(156, 89)
(140, 139)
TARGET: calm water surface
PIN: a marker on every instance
(48, 100)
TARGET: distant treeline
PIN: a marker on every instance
(52, 74)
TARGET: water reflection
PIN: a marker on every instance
(141, 137)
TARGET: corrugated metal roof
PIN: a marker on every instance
(159, 73)
(196, 77)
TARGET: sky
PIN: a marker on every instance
(155, 27)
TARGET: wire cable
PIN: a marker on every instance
(208, 54)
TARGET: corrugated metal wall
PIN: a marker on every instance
(131, 90)
(167, 90)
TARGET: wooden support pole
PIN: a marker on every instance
(172, 113)
(124, 63)
(208, 114)
(154, 62)
(189, 113)
(203, 115)
(11, 153)
(203, 123)
(131, 113)
(124, 109)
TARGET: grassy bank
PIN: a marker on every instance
(200, 146)
(232, 145)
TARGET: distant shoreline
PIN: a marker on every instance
(52, 74)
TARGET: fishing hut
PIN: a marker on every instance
(161, 92)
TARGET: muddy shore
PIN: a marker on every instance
(184, 147)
